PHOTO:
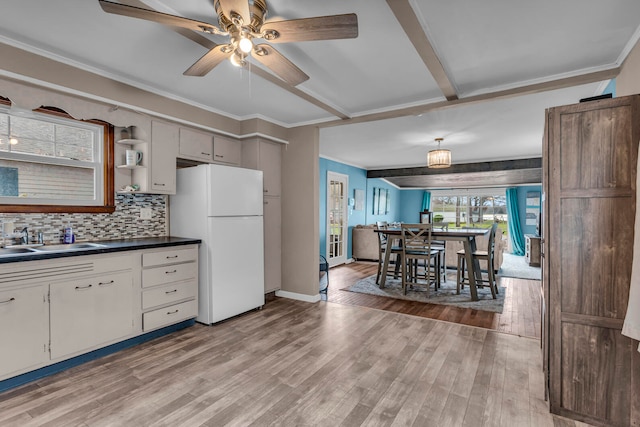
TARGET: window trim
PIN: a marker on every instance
(108, 173)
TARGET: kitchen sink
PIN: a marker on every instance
(16, 251)
(68, 247)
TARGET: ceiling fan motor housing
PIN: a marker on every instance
(258, 10)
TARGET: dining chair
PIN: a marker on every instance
(396, 251)
(480, 255)
(416, 246)
(441, 246)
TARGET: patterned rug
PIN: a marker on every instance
(446, 295)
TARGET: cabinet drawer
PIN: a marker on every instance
(168, 274)
(169, 256)
(169, 315)
(169, 294)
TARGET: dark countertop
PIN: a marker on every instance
(118, 245)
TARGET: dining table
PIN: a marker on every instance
(466, 235)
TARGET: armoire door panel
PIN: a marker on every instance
(600, 140)
(594, 231)
(595, 364)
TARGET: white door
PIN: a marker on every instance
(337, 219)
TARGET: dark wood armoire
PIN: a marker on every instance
(590, 158)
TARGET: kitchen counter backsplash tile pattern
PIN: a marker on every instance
(125, 222)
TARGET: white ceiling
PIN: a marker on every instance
(483, 46)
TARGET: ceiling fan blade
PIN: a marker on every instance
(239, 7)
(208, 61)
(280, 65)
(162, 18)
(308, 29)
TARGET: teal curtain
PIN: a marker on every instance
(515, 231)
(426, 201)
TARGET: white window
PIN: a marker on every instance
(50, 160)
(470, 208)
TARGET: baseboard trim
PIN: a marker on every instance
(298, 297)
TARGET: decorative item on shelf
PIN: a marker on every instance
(130, 188)
(133, 157)
(125, 133)
(439, 158)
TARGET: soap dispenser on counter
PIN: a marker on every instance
(68, 236)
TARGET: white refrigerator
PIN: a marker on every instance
(222, 206)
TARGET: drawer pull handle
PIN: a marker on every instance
(172, 312)
(205, 154)
(218, 155)
(171, 272)
(106, 283)
(171, 292)
(172, 256)
(81, 288)
(159, 184)
(8, 301)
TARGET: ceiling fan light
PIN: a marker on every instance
(237, 60)
(245, 45)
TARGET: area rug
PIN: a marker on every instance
(446, 295)
(515, 266)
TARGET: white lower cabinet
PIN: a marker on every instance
(24, 328)
(89, 312)
(56, 309)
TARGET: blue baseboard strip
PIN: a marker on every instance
(45, 371)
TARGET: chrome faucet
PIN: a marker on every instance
(25, 236)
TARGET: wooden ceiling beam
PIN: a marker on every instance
(409, 22)
(497, 166)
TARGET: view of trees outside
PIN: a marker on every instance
(470, 211)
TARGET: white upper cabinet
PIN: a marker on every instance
(227, 150)
(266, 156)
(195, 145)
(164, 150)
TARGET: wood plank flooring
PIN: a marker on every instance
(520, 316)
(300, 364)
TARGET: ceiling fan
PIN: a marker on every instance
(243, 22)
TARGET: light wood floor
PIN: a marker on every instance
(300, 364)
(520, 315)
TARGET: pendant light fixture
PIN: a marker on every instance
(439, 158)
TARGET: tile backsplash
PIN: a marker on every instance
(125, 222)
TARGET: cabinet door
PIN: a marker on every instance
(24, 335)
(88, 312)
(164, 149)
(195, 145)
(270, 164)
(226, 150)
(272, 244)
(267, 157)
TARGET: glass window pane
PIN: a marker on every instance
(39, 180)
(33, 146)
(74, 143)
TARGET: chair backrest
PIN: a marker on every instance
(492, 240)
(382, 238)
(416, 237)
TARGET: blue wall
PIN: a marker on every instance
(411, 205)
(395, 205)
(611, 88)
